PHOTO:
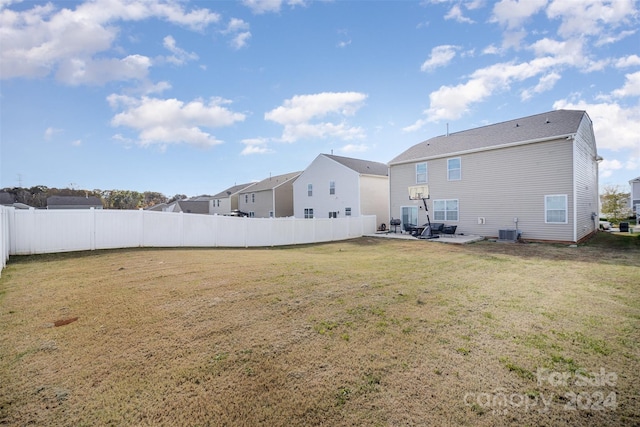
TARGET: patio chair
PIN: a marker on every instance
(449, 230)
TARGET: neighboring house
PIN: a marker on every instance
(73, 202)
(185, 205)
(226, 201)
(334, 186)
(269, 198)
(536, 174)
(635, 196)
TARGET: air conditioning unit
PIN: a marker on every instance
(511, 235)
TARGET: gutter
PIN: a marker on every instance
(490, 148)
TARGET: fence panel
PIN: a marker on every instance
(24, 232)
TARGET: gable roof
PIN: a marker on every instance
(194, 206)
(271, 182)
(544, 126)
(364, 167)
(73, 201)
(232, 190)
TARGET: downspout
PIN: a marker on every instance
(574, 185)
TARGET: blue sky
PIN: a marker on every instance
(193, 97)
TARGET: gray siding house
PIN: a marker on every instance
(537, 175)
(269, 198)
(226, 201)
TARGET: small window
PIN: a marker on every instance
(252, 214)
(421, 173)
(454, 171)
(445, 210)
(332, 187)
(218, 201)
(270, 214)
(347, 211)
(333, 214)
(309, 190)
(555, 209)
(253, 197)
(308, 213)
(246, 198)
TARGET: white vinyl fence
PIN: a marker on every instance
(4, 237)
(27, 232)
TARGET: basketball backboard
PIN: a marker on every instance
(418, 192)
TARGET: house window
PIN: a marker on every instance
(252, 214)
(445, 210)
(218, 202)
(454, 171)
(308, 213)
(270, 214)
(555, 209)
(333, 214)
(246, 198)
(253, 197)
(332, 187)
(309, 190)
(347, 211)
(421, 173)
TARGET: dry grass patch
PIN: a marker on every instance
(363, 332)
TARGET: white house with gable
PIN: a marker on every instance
(337, 187)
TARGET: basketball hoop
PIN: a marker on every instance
(418, 192)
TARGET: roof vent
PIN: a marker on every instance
(517, 125)
(547, 121)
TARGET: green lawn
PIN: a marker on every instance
(363, 332)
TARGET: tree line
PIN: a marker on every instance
(111, 199)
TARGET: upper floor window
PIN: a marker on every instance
(246, 198)
(309, 190)
(253, 197)
(421, 173)
(332, 187)
(454, 171)
(347, 211)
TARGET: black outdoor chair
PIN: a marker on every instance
(449, 230)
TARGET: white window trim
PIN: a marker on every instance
(566, 209)
(449, 170)
(308, 211)
(309, 190)
(426, 173)
(433, 206)
(332, 187)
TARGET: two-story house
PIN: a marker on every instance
(537, 175)
(335, 186)
(270, 198)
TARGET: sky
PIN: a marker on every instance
(193, 97)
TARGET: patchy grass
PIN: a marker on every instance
(364, 332)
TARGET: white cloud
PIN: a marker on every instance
(299, 114)
(631, 86)
(589, 17)
(240, 40)
(615, 127)
(440, 56)
(265, 6)
(255, 146)
(170, 121)
(456, 14)
(628, 61)
(180, 56)
(50, 132)
(38, 41)
(239, 30)
(546, 82)
(513, 13)
(76, 143)
(77, 71)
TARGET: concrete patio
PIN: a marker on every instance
(456, 239)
